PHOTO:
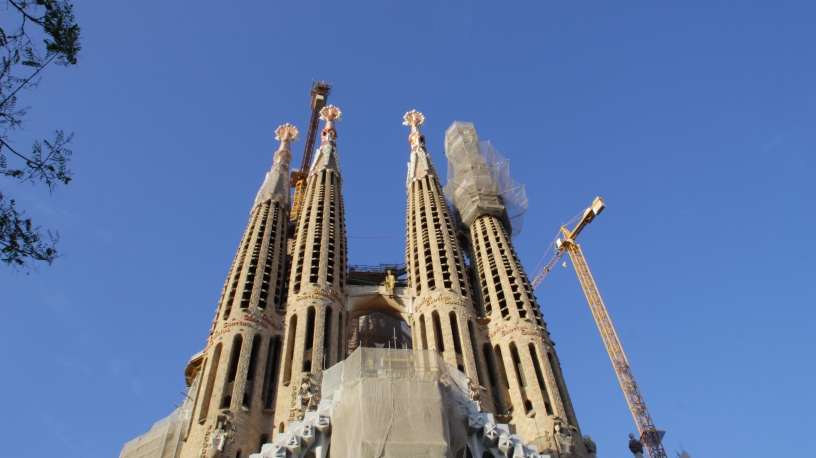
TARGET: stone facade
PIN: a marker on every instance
(444, 318)
(315, 313)
(285, 308)
(238, 373)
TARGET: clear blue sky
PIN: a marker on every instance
(693, 119)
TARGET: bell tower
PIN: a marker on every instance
(236, 390)
(315, 312)
(444, 318)
(524, 370)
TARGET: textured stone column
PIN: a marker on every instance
(317, 279)
(236, 389)
(443, 303)
(529, 390)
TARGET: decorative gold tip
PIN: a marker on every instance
(330, 113)
(414, 119)
(286, 133)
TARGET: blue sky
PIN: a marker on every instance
(693, 120)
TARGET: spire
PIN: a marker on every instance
(276, 183)
(326, 154)
(421, 164)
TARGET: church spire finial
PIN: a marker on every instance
(330, 114)
(276, 183)
(285, 134)
(421, 164)
(415, 119)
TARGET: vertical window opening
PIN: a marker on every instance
(457, 344)
(273, 354)
(517, 365)
(440, 343)
(309, 344)
(290, 350)
(502, 377)
(537, 367)
(475, 350)
(250, 378)
(495, 382)
(327, 330)
(205, 406)
(235, 355)
(422, 333)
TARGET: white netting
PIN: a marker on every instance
(165, 437)
(479, 180)
(396, 403)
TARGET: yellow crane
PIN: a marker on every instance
(320, 95)
(649, 435)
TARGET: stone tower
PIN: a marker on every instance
(524, 368)
(315, 313)
(443, 318)
(239, 366)
(481, 379)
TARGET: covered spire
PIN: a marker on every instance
(421, 164)
(276, 184)
(326, 154)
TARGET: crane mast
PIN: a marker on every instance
(650, 436)
(320, 94)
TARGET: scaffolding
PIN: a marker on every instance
(396, 403)
(479, 180)
(165, 437)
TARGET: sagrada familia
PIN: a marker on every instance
(467, 368)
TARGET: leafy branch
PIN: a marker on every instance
(45, 32)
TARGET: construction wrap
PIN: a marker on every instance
(165, 437)
(479, 180)
(396, 403)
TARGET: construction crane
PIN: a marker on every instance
(320, 94)
(649, 435)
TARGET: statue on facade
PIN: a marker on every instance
(390, 282)
(475, 394)
(635, 446)
(590, 447)
(308, 393)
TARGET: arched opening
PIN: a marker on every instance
(503, 378)
(273, 357)
(522, 381)
(540, 379)
(250, 378)
(437, 325)
(422, 333)
(497, 388)
(309, 344)
(205, 406)
(476, 360)
(457, 344)
(378, 330)
(327, 334)
(290, 350)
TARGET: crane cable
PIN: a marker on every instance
(544, 258)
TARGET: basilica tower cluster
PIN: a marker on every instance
(289, 298)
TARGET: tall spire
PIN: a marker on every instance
(421, 164)
(326, 154)
(276, 184)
